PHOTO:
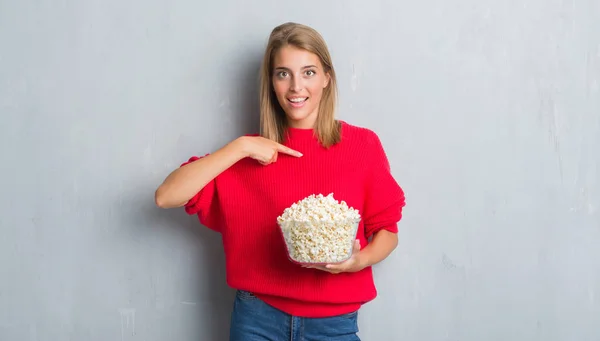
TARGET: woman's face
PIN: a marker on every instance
(298, 80)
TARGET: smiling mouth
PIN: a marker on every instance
(298, 100)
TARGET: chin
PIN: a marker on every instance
(297, 116)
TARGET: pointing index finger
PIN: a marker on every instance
(283, 149)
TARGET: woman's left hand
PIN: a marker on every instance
(354, 264)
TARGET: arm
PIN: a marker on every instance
(183, 183)
(384, 200)
(382, 245)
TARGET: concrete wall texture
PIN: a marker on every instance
(489, 111)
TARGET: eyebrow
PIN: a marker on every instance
(287, 69)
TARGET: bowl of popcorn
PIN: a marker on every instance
(319, 230)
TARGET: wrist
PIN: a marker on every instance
(363, 259)
(239, 147)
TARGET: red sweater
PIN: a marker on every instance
(243, 203)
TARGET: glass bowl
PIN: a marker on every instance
(319, 243)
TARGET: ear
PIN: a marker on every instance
(327, 78)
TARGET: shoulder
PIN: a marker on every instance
(364, 143)
(359, 134)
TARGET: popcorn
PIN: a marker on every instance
(319, 229)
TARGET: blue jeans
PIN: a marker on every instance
(254, 320)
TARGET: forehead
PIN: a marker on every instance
(292, 57)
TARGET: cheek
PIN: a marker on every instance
(280, 88)
(316, 90)
(317, 86)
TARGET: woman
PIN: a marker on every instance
(241, 189)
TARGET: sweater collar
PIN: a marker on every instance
(300, 133)
(305, 134)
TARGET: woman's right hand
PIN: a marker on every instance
(264, 150)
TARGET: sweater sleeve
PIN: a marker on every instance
(384, 199)
(205, 203)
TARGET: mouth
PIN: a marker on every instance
(297, 102)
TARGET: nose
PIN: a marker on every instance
(296, 84)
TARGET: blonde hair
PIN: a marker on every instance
(273, 121)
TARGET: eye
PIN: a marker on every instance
(310, 73)
(282, 74)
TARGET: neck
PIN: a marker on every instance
(308, 122)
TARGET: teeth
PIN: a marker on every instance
(298, 100)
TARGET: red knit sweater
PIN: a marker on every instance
(243, 202)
